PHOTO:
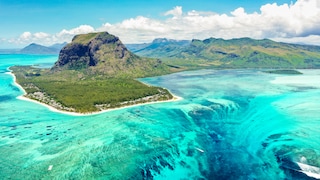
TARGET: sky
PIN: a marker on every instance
(56, 21)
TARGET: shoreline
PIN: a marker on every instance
(22, 97)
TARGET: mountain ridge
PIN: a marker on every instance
(162, 46)
(237, 53)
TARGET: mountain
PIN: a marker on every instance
(237, 53)
(136, 47)
(94, 72)
(103, 53)
(58, 46)
(160, 47)
(40, 49)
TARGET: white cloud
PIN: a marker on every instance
(312, 39)
(41, 35)
(49, 39)
(286, 21)
(25, 36)
(67, 35)
(239, 12)
(28, 37)
(297, 21)
(82, 29)
(176, 12)
(143, 23)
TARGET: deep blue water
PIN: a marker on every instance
(231, 124)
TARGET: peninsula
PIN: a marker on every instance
(94, 72)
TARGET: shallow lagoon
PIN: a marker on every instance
(231, 124)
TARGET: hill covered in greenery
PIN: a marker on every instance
(104, 54)
(160, 47)
(236, 53)
(94, 72)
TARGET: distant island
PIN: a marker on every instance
(94, 72)
(34, 48)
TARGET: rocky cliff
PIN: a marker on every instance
(103, 53)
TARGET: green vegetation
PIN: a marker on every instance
(160, 48)
(104, 54)
(96, 71)
(84, 38)
(284, 71)
(74, 91)
(236, 53)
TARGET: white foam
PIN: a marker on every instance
(309, 170)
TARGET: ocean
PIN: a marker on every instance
(230, 124)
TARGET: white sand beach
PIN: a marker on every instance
(22, 97)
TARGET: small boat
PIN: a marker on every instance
(200, 150)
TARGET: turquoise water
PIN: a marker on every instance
(231, 124)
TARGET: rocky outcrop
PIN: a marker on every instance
(103, 53)
(74, 56)
(83, 51)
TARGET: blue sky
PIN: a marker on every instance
(53, 21)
